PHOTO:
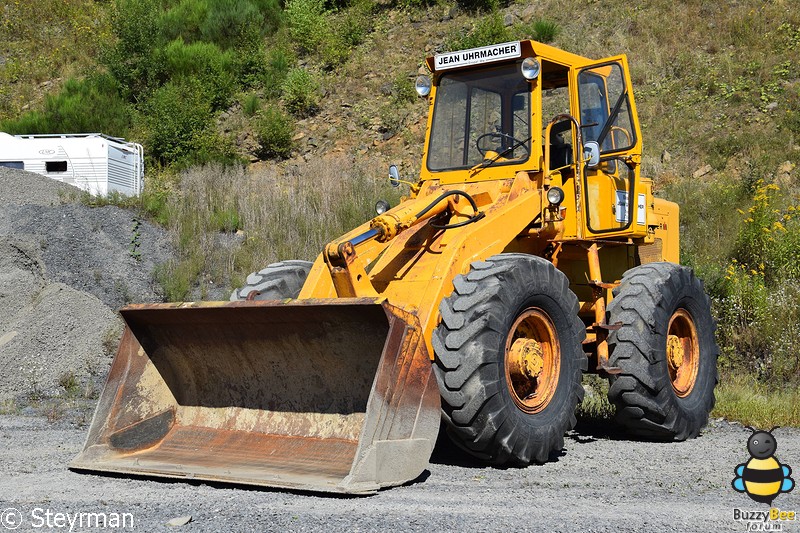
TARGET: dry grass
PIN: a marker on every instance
(745, 399)
(227, 222)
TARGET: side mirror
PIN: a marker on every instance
(394, 176)
(591, 154)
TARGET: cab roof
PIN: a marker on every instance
(496, 53)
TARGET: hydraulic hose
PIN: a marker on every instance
(474, 218)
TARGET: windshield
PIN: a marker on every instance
(477, 111)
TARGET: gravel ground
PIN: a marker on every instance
(601, 482)
(66, 268)
(64, 271)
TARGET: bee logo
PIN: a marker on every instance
(762, 477)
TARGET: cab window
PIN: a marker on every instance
(605, 114)
(478, 111)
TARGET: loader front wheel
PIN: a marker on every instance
(665, 350)
(275, 282)
(508, 359)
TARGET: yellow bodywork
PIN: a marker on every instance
(333, 390)
(413, 265)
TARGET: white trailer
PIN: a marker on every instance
(94, 162)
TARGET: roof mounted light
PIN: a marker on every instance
(530, 68)
(423, 85)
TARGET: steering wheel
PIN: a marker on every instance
(497, 135)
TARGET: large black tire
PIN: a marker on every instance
(275, 282)
(481, 409)
(662, 393)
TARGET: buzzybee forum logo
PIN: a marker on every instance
(763, 477)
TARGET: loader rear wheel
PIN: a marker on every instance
(508, 359)
(275, 282)
(666, 351)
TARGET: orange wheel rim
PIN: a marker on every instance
(683, 352)
(532, 360)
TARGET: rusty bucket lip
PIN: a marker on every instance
(275, 485)
(93, 457)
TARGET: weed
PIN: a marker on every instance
(595, 405)
(251, 105)
(69, 382)
(135, 240)
(301, 92)
(541, 30)
(9, 407)
(403, 91)
(35, 392)
(274, 133)
(54, 411)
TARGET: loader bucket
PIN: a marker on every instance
(326, 395)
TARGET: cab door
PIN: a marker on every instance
(607, 115)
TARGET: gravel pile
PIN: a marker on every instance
(65, 269)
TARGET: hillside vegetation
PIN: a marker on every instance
(318, 96)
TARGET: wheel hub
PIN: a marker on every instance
(683, 352)
(527, 356)
(532, 360)
(674, 351)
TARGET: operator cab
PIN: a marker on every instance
(505, 108)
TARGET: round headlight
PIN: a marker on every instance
(530, 68)
(423, 85)
(555, 195)
(381, 206)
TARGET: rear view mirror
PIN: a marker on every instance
(591, 154)
(394, 176)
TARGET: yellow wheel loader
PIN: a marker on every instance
(529, 250)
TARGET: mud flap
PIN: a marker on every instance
(325, 395)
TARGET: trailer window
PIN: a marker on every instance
(55, 166)
(13, 164)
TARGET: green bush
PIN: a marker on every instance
(226, 23)
(132, 60)
(403, 91)
(205, 63)
(301, 92)
(89, 105)
(274, 132)
(178, 124)
(356, 22)
(279, 61)
(333, 51)
(307, 23)
(758, 300)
